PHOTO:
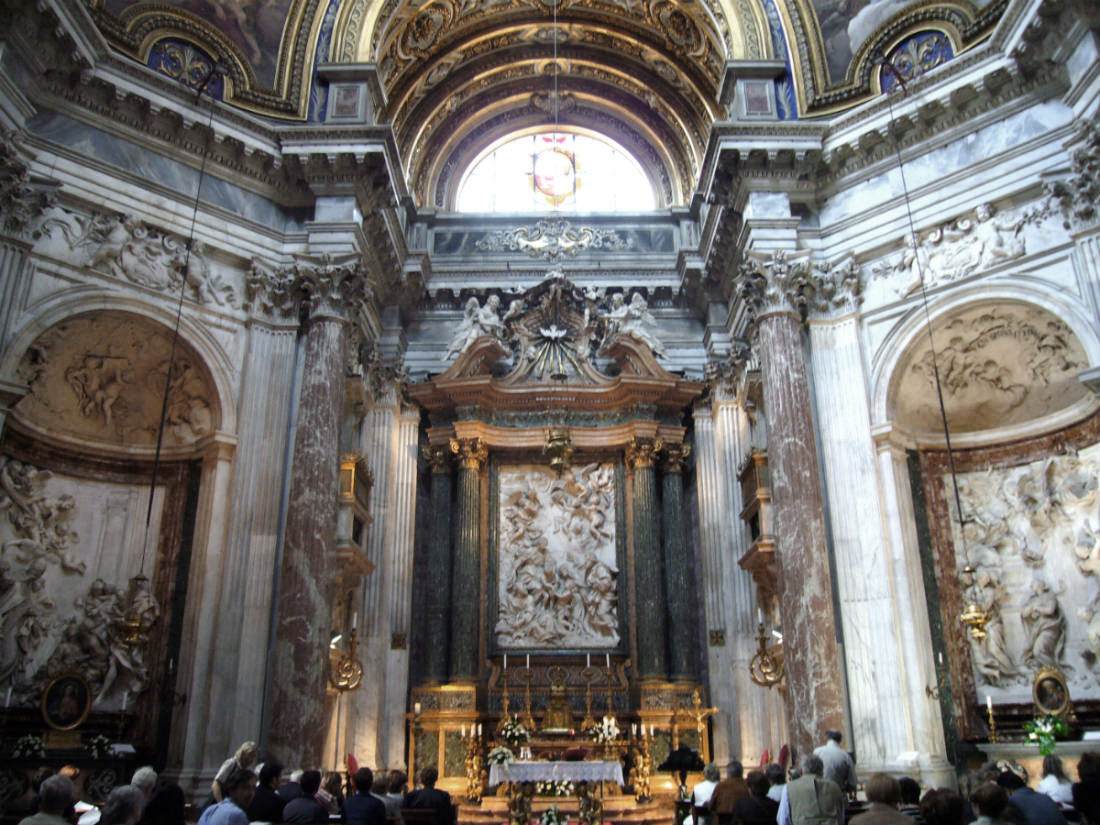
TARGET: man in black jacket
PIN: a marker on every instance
(429, 797)
(267, 806)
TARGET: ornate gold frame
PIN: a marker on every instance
(1063, 709)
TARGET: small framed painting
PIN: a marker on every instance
(66, 702)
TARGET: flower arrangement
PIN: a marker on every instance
(98, 746)
(552, 816)
(605, 731)
(559, 788)
(29, 747)
(500, 755)
(514, 733)
(1045, 731)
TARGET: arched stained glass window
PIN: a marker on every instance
(560, 171)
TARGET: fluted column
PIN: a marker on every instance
(774, 290)
(437, 587)
(375, 712)
(466, 574)
(679, 566)
(649, 583)
(304, 613)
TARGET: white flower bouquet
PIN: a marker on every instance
(561, 787)
(29, 747)
(552, 816)
(514, 733)
(605, 731)
(501, 755)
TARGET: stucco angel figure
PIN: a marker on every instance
(999, 238)
(633, 319)
(477, 321)
(24, 611)
(1045, 624)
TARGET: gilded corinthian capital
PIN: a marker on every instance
(471, 452)
(438, 457)
(642, 452)
(674, 457)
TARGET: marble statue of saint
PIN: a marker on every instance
(1091, 616)
(1045, 624)
(633, 319)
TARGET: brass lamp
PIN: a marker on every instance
(973, 617)
(766, 668)
(346, 672)
(559, 446)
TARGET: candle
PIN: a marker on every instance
(588, 660)
(463, 731)
(7, 699)
(355, 620)
(528, 661)
(760, 615)
(989, 704)
(479, 728)
(505, 661)
(416, 708)
(125, 699)
(607, 660)
(651, 731)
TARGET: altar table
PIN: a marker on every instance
(556, 772)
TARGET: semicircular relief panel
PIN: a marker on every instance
(999, 365)
(100, 378)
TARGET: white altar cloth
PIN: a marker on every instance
(556, 772)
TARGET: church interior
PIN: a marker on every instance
(484, 386)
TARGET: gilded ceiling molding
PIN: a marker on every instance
(824, 90)
(264, 76)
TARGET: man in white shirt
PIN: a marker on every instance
(839, 766)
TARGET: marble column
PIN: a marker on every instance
(437, 589)
(299, 670)
(466, 574)
(773, 289)
(679, 566)
(649, 581)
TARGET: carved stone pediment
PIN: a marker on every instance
(559, 346)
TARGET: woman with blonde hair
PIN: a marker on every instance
(243, 760)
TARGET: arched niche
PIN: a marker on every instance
(1004, 367)
(97, 381)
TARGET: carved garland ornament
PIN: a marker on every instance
(553, 238)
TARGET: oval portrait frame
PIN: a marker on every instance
(1041, 705)
(50, 718)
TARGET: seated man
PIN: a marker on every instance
(363, 807)
(429, 797)
(306, 808)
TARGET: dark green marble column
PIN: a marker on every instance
(466, 573)
(679, 583)
(437, 586)
(649, 581)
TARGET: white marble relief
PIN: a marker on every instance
(557, 578)
(61, 608)
(998, 365)
(103, 377)
(1032, 538)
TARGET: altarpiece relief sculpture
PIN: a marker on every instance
(557, 576)
(1031, 544)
